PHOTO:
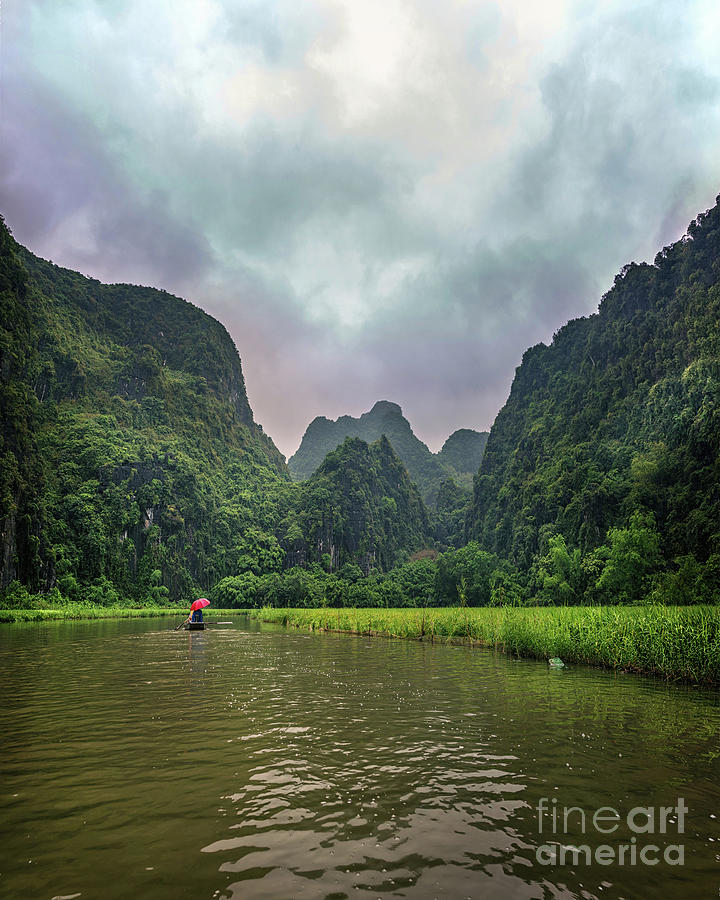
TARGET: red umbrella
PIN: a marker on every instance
(199, 604)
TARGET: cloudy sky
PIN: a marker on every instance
(379, 198)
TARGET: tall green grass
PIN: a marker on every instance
(675, 642)
(89, 611)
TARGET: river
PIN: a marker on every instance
(252, 762)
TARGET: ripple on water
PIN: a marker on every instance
(279, 765)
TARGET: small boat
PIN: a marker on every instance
(195, 626)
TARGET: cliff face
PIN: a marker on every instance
(427, 470)
(138, 330)
(323, 435)
(359, 507)
(131, 466)
(463, 452)
(620, 413)
(21, 475)
(129, 454)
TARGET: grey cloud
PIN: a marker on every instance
(614, 179)
(622, 136)
(453, 345)
(271, 188)
(280, 30)
(65, 198)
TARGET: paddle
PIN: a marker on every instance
(178, 627)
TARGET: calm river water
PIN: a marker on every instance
(248, 762)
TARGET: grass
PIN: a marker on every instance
(90, 611)
(674, 642)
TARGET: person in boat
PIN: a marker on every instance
(195, 616)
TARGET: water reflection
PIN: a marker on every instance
(236, 763)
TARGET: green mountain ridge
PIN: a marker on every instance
(126, 432)
(459, 458)
(359, 506)
(618, 418)
(463, 451)
(130, 462)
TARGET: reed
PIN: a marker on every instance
(88, 611)
(673, 642)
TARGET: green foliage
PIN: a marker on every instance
(464, 576)
(259, 552)
(462, 454)
(506, 588)
(414, 584)
(236, 591)
(359, 507)
(16, 596)
(131, 465)
(421, 582)
(560, 576)
(101, 592)
(672, 642)
(451, 510)
(633, 559)
(689, 582)
(618, 418)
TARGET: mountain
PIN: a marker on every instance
(131, 466)
(427, 470)
(463, 452)
(360, 507)
(617, 422)
(130, 457)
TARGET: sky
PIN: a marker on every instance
(380, 199)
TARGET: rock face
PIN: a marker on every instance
(131, 466)
(620, 413)
(129, 453)
(463, 451)
(427, 470)
(359, 507)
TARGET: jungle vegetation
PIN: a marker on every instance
(606, 456)
(132, 470)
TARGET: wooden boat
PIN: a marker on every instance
(195, 626)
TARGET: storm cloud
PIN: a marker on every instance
(380, 200)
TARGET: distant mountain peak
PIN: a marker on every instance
(464, 449)
(459, 459)
(384, 408)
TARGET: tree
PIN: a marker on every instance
(560, 575)
(463, 576)
(634, 556)
(259, 552)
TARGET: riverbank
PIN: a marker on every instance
(674, 642)
(88, 611)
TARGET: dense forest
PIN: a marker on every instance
(131, 467)
(609, 442)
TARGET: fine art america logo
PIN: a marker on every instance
(653, 828)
